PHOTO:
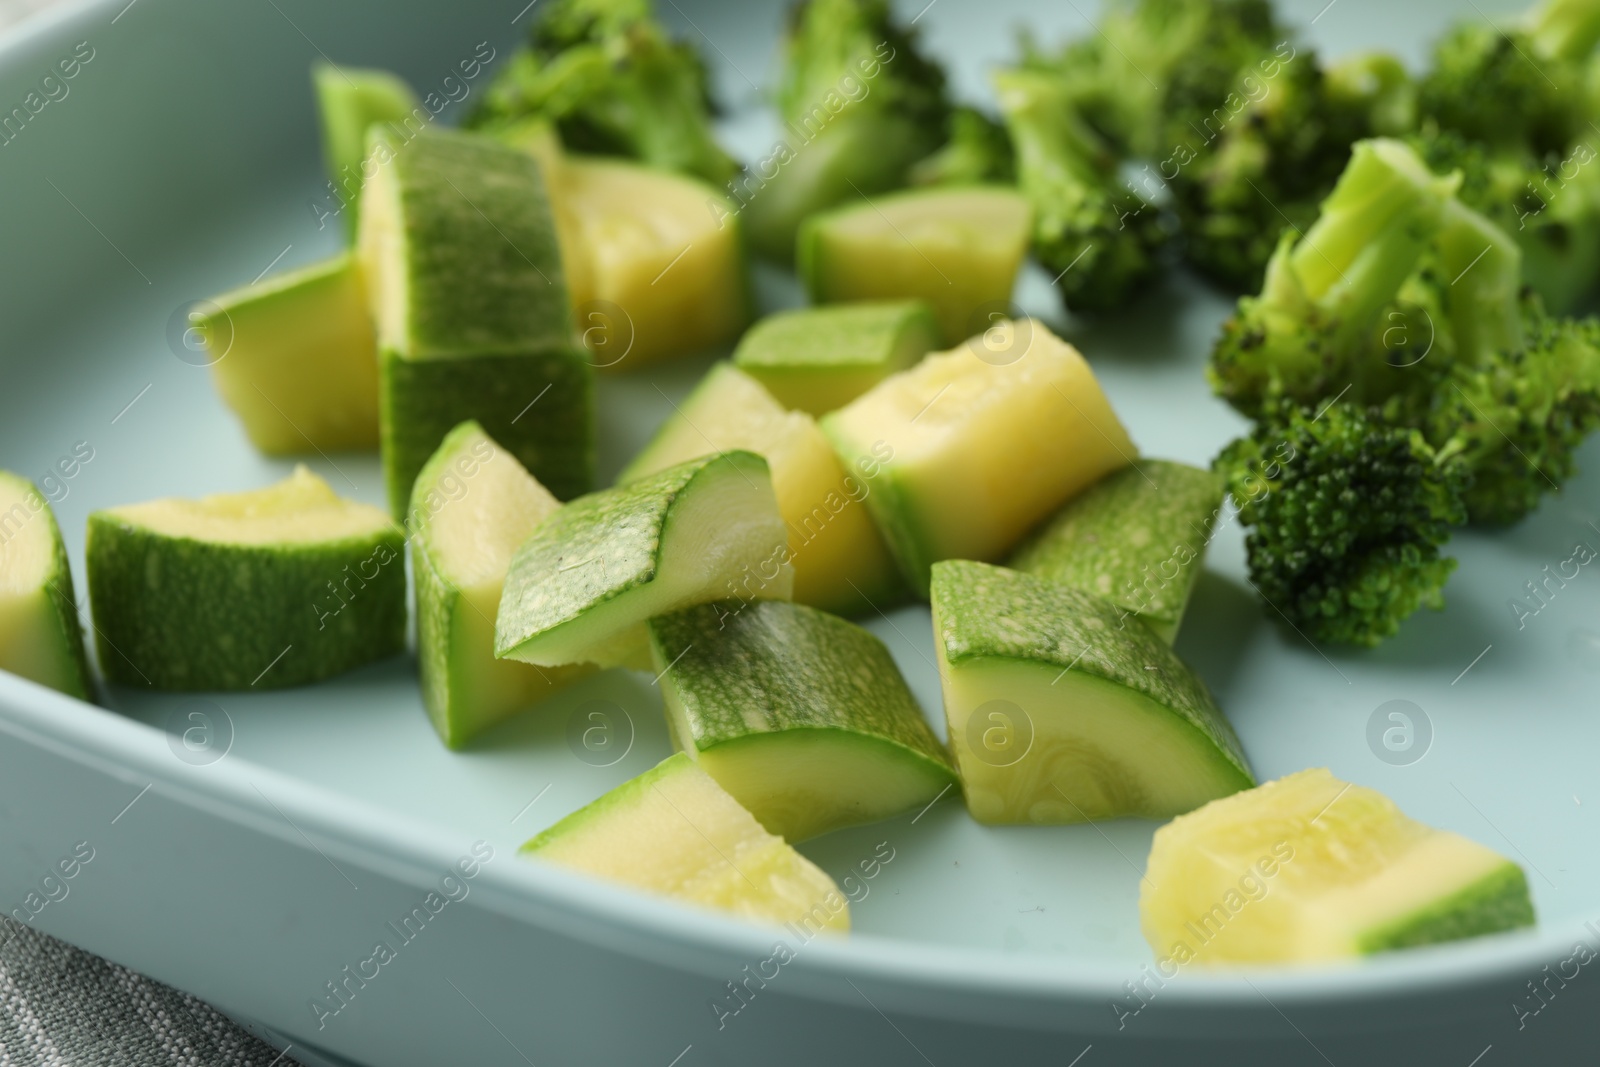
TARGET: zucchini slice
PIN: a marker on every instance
(1312, 868)
(801, 716)
(841, 563)
(958, 248)
(818, 359)
(585, 581)
(472, 506)
(1060, 711)
(295, 357)
(674, 831)
(274, 587)
(459, 252)
(1137, 538)
(970, 449)
(40, 637)
(349, 101)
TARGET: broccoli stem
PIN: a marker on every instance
(1482, 265)
(1565, 29)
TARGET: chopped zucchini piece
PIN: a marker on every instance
(460, 257)
(957, 248)
(840, 561)
(350, 100)
(295, 357)
(653, 260)
(818, 359)
(802, 716)
(1137, 538)
(972, 448)
(674, 831)
(1312, 868)
(472, 506)
(40, 638)
(1060, 712)
(274, 587)
(585, 581)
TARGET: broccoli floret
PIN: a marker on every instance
(1098, 238)
(1346, 516)
(1312, 330)
(860, 105)
(979, 152)
(1265, 157)
(1516, 85)
(614, 83)
(1550, 206)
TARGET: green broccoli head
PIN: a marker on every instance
(1346, 515)
(1514, 419)
(614, 83)
(979, 152)
(1550, 206)
(1099, 239)
(1322, 324)
(1516, 85)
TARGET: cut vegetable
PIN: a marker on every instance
(653, 259)
(40, 638)
(802, 716)
(1059, 712)
(349, 100)
(840, 561)
(472, 506)
(295, 357)
(585, 581)
(959, 249)
(819, 359)
(1137, 538)
(268, 588)
(673, 830)
(1312, 868)
(460, 258)
(972, 448)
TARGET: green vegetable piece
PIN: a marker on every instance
(1310, 868)
(40, 638)
(472, 506)
(460, 255)
(1061, 711)
(959, 249)
(257, 590)
(969, 450)
(674, 831)
(585, 581)
(801, 716)
(819, 359)
(1137, 538)
(841, 563)
(296, 359)
(350, 101)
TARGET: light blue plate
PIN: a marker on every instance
(183, 161)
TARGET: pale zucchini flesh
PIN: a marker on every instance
(582, 586)
(472, 506)
(674, 831)
(967, 453)
(802, 716)
(1310, 868)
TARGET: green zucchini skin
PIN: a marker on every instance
(176, 613)
(991, 612)
(1137, 538)
(420, 401)
(769, 666)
